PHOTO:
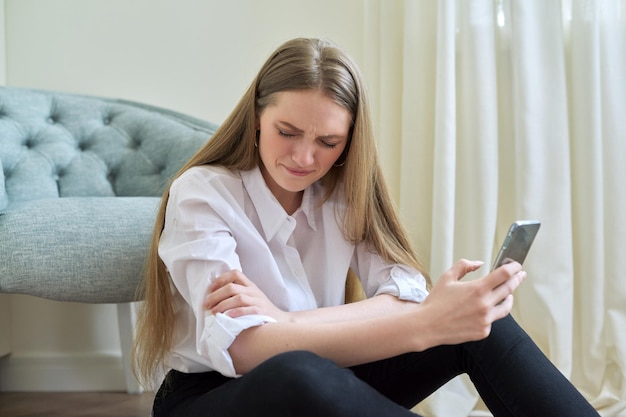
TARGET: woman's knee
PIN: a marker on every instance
(297, 367)
(305, 384)
(304, 376)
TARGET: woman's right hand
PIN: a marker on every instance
(462, 311)
(236, 295)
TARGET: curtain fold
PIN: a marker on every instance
(597, 82)
(505, 110)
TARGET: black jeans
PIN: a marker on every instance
(512, 375)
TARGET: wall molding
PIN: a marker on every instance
(71, 372)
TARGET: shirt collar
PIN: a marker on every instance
(271, 214)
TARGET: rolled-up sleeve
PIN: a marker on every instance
(406, 286)
(219, 333)
(378, 277)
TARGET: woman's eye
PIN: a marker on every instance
(285, 134)
(330, 145)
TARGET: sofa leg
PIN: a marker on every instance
(126, 318)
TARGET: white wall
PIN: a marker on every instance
(2, 45)
(194, 56)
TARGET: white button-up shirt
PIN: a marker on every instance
(218, 220)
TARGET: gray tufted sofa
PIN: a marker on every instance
(80, 181)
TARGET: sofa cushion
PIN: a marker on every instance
(86, 249)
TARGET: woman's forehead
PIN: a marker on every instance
(304, 109)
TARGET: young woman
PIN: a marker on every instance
(244, 293)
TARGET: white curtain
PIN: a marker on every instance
(491, 111)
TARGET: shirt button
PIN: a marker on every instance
(298, 272)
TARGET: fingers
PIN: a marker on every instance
(461, 268)
(503, 273)
(502, 309)
(234, 294)
(504, 281)
(242, 311)
(228, 295)
(230, 286)
(501, 297)
(231, 277)
(238, 305)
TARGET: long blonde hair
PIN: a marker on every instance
(370, 214)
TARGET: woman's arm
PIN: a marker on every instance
(234, 294)
(380, 327)
(348, 342)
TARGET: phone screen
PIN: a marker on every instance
(517, 243)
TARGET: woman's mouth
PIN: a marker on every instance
(297, 172)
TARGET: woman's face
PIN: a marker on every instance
(302, 134)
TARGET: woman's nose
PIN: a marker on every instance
(303, 154)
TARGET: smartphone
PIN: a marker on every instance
(517, 243)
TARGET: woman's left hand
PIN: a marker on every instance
(235, 295)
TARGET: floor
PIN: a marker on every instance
(74, 404)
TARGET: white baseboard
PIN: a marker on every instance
(76, 372)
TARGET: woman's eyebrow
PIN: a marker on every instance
(290, 126)
(338, 138)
